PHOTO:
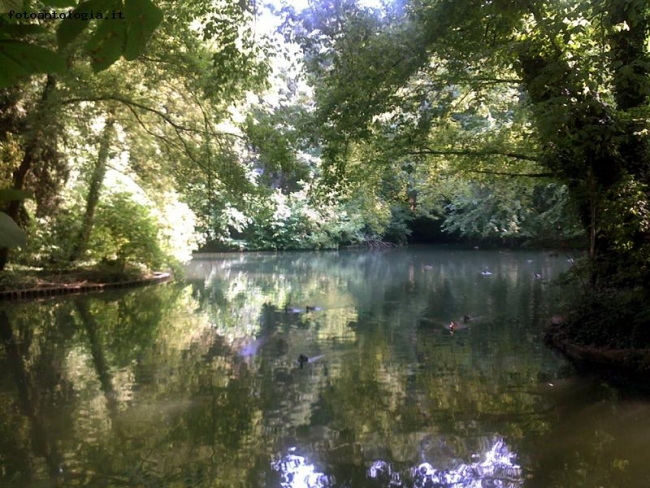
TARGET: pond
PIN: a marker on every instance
(334, 369)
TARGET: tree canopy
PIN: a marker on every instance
(503, 120)
(554, 90)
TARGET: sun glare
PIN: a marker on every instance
(268, 21)
(303, 4)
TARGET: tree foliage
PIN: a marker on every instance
(166, 106)
(493, 87)
(499, 119)
(465, 91)
(119, 28)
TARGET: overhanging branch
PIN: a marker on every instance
(473, 154)
(504, 173)
(131, 104)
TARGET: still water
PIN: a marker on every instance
(199, 384)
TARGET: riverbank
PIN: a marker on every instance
(30, 284)
(623, 363)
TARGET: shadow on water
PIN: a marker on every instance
(313, 369)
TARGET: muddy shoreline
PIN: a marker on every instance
(78, 287)
(627, 364)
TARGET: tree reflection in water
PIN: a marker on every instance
(495, 470)
(199, 384)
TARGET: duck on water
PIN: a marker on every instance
(303, 359)
(464, 322)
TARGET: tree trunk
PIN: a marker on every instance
(608, 149)
(94, 190)
(31, 156)
(631, 69)
(19, 364)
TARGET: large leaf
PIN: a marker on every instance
(8, 5)
(116, 35)
(60, 3)
(126, 35)
(142, 17)
(21, 30)
(19, 59)
(10, 234)
(71, 27)
(11, 194)
(107, 44)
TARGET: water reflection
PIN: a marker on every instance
(202, 384)
(496, 469)
(297, 472)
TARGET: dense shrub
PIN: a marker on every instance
(489, 210)
(294, 221)
(125, 232)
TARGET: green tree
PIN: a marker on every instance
(538, 88)
(20, 58)
(166, 107)
(96, 182)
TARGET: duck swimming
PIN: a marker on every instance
(302, 359)
(463, 322)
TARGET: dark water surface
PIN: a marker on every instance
(199, 384)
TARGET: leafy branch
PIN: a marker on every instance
(474, 154)
(131, 104)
